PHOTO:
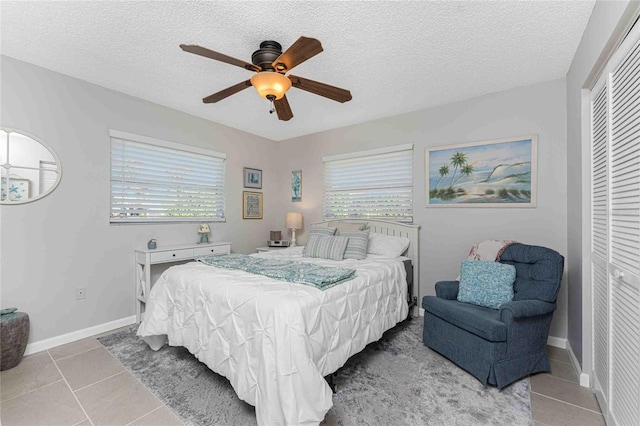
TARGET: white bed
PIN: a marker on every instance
(275, 341)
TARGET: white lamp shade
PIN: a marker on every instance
(294, 220)
(204, 228)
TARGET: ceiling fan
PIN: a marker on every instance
(270, 65)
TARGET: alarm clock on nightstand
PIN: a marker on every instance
(278, 243)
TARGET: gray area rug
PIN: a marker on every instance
(395, 381)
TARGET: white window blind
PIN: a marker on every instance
(370, 184)
(159, 181)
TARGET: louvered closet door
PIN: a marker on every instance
(615, 230)
(624, 266)
(600, 241)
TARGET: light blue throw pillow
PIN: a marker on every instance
(488, 284)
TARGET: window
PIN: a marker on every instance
(374, 184)
(158, 181)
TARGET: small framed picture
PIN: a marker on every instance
(17, 188)
(296, 185)
(251, 205)
(252, 178)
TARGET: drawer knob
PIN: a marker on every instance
(174, 255)
(212, 250)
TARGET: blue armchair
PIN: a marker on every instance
(499, 346)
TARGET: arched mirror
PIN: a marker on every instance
(29, 168)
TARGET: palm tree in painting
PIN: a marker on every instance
(458, 159)
(465, 170)
(444, 170)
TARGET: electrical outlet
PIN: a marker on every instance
(81, 293)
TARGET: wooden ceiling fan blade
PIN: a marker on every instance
(304, 48)
(322, 89)
(208, 53)
(283, 109)
(211, 99)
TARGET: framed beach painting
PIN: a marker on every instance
(296, 185)
(497, 173)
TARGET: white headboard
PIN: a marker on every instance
(397, 229)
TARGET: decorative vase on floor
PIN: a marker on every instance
(14, 334)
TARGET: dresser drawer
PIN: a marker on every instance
(169, 256)
(212, 250)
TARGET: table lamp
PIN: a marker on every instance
(293, 222)
(204, 230)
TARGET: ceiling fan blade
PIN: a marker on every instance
(330, 92)
(283, 109)
(211, 99)
(207, 53)
(304, 48)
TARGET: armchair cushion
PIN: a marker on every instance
(481, 321)
(488, 284)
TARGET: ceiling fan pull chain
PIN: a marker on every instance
(272, 98)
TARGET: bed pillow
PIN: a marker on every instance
(387, 245)
(485, 283)
(322, 230)
(348, 226)
(325, 247)
(357, 244)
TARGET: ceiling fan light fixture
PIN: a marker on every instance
(270, 83)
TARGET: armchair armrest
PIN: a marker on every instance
(524, 308)
(447, 290)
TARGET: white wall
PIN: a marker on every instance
(448, 233)
(63, 241)
(603, 21)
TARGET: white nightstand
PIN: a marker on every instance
(144, 258)
(266, 249)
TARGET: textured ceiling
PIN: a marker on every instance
(395, 57)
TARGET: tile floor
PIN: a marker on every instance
(82, 384)
(558, 399)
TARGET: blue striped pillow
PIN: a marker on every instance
(325, 247)
(323, 230)
(357, 244)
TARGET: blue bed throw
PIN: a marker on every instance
(320, 277)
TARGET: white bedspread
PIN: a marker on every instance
(275, 341)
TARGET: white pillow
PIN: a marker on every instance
(387, 245)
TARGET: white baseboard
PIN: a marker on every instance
(585, 380)
(421, 312)
(77, 335)
(557, 342)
